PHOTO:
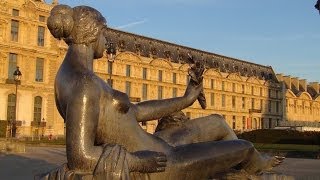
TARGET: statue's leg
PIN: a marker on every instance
(209, 128)
(202, 160)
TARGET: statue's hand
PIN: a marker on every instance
(193, 90)
(148, 161)
(196, 77)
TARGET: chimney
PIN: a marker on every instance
(295, 83)
(303, 85)
(315, 86)
(287, 81)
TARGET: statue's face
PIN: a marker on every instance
(100, 45)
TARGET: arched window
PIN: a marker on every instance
(11, 109)
(37, 109)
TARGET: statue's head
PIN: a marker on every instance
(78, 25)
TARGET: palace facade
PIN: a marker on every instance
(248, 95)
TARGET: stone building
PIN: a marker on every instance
(301, 102)
(248, 95)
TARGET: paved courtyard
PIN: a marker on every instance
(41, 159)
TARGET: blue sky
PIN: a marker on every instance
(284, 34)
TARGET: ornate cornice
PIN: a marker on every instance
(154, 48)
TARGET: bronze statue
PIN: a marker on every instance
(104, 138)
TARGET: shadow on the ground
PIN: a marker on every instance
(17, 167)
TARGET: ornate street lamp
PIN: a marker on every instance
(317, 6)
(111, 52)
(17, 77)
(43, 126)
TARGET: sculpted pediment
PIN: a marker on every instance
(253, 80)
(161, 63)
(234, 76)
(128, 56)
(184, 67)
(305, 95)
(289, 94)
(212, 72)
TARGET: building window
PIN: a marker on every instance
(244, 123)
(295, 106)
(242, 86)
(269, 92)
(37, 109)
(261, 104)
(252, 90)
(174, 78)
(212, 83)
(233, 102)
(269, 106)
(42, 18)
(260, 91)
(233, 87)
(223, 85)
(252, 103)
(223, 100)
(144, 91)
(270, 123)
(233, 122)
(188, 114)
(110, 67)
(243, 102)
(41, 30)
(144, 73)
(39, 69)
(174, 92)
(128, 70)
(277, 107)
(12, 65)
(212, 99)
(11, 107)
(128, 88)
(160, 75)
(187, 79)
(14, 30)
(160, 89)
(15, 12)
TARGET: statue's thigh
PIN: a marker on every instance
(201, 160)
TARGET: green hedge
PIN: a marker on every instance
(273, 136)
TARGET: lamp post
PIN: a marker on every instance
(111, 52)
(17, 77)
(317, 5)
(43, 125)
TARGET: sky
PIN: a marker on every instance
(284, 34)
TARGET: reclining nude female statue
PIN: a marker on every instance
(103, 134)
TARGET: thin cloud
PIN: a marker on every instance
(132, 24)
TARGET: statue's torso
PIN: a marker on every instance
(117, 122)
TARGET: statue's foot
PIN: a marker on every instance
(263, 163)
(272, 161)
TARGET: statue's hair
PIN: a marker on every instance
(78, 25)
(174, 120)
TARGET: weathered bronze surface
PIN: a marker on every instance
(104, 138)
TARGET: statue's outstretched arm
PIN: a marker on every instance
(155, 109)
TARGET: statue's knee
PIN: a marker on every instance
(217, 118)
(246, 143)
